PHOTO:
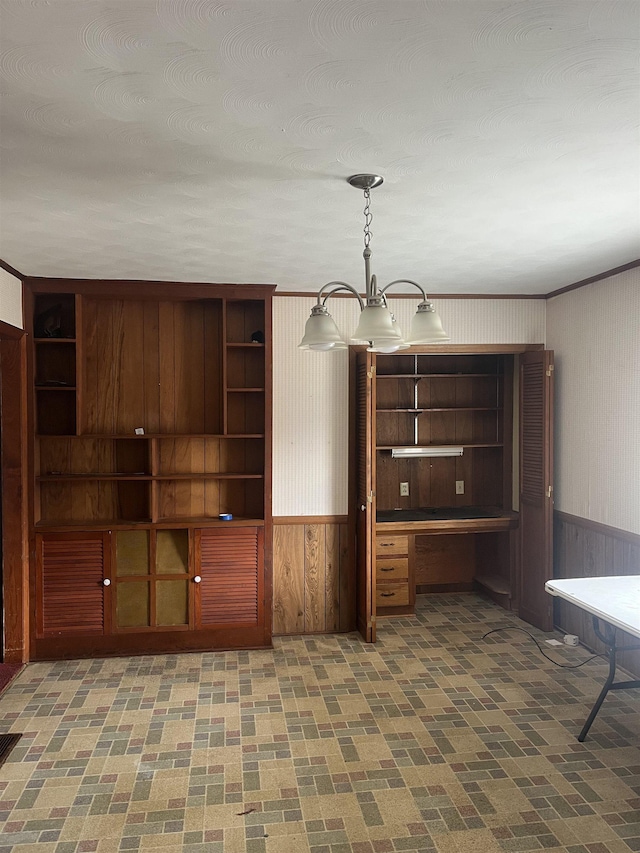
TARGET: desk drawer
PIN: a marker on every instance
(392, 569)
(387, 546)
(392, 594)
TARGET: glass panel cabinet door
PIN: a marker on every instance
(172, 595)
(152, 583)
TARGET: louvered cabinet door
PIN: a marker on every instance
(71, 570)
(536, 487)
(230, 563)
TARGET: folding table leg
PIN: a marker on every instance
(609, 639)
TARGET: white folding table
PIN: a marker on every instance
(614, 601)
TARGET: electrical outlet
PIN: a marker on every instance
(404, 490)
(459, 487)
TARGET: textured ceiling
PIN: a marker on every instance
(195, 140)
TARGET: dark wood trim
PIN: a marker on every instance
(592, 279)
(9, 332)
(312, 294)
(121, 289)
(172, 641)
(8, 268)
(463, 349)
(310, 519)
(598, 527)
(45, 284)
(13, 358)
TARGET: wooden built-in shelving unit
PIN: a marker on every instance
(151, 413)
(443, 518)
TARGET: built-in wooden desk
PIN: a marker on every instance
(440, 556)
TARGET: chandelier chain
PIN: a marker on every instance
(368, 217)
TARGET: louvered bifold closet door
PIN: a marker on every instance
(231, 565)
(536, 487)
(71, 569)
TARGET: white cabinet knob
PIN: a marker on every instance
(106, 582)
(197, 579)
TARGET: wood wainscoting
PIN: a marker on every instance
(584, 548)
(313, 575)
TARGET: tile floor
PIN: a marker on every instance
(431, 740)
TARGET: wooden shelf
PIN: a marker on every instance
(50, 478)
(54, 340)
(443, 409)
(208, 476)
(90, 524)
(44, 478)
(426, 446)
(208, 521)
(180, 522)
(436, 375)
(248, 345)
(54, 387)
(148, 435)
(245, 390)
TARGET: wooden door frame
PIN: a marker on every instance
(15, 548)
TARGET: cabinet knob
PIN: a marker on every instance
(197, 579)
(106, 582)
(362, 507)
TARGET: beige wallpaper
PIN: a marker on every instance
(310, 428)
(10, 299)
(595, 332)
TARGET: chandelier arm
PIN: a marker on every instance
(405, 281)
(337, 286)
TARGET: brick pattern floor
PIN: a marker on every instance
(432, 740)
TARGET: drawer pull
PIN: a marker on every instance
(386, 544)
(388, 569)
(387, 594)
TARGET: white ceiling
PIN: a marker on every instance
(196, 140)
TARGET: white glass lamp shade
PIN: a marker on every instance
(321, 332)
(377, 324)
(426, 326)
(384, 345)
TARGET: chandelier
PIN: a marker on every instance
(377, 325)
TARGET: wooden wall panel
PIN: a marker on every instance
(288, 579)
(313, 577)
(586, 549)
(167, 399)
(212, 367)
(332, 558)
(445, 559)
(151, 343)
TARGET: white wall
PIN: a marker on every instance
(10, 299)
(311, 404)
(595, 332)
